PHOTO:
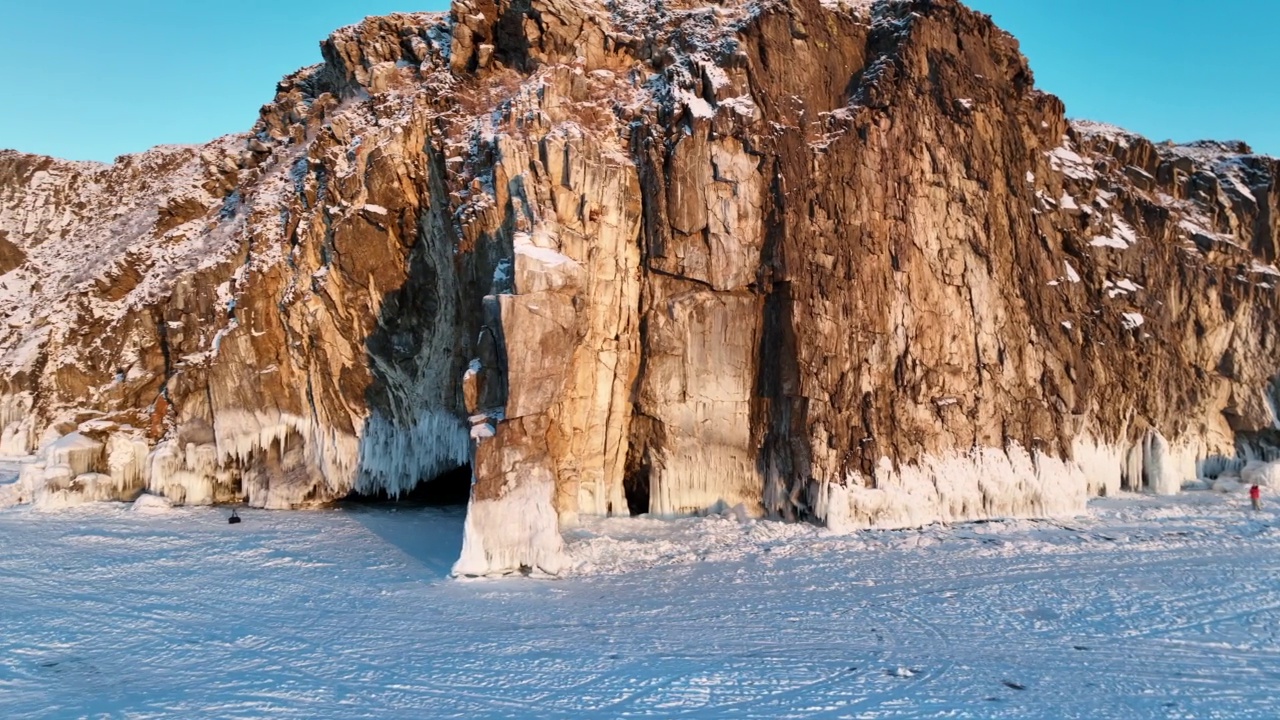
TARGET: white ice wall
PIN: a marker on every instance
(984, 483)
(17, 425)
(520, 529)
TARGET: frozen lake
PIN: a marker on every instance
(1145, 608)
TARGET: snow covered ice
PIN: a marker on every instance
(1145, 608)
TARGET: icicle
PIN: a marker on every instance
(395, 459)
(126, 463)
(76, 451)
(186, 475)
(1164, 469)
(321, 465)
(17, 426)
(1102, 465)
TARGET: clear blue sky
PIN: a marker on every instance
(91, 79)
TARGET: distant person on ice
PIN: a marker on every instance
(1255, 494)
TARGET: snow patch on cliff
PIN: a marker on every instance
(1067, 161)
(1121, 237)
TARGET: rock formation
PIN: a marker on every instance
(830, 261)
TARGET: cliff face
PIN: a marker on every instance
(838, 262)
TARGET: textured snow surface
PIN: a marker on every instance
(1145, 608)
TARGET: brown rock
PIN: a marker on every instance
(840, 263)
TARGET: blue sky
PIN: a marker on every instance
(91, 79)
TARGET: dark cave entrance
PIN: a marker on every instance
(635, 486)
(451, 488)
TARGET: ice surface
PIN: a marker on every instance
(1143, 608)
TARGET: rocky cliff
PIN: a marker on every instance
(831, 261)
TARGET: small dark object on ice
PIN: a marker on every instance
(1013, 685)
(234, 518)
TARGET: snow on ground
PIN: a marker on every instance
(1146, 608)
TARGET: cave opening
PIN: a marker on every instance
(635, 486)
(451, 488)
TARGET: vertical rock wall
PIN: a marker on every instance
(830, 261)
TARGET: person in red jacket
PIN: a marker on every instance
(1255, 494)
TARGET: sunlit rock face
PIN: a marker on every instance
(827, 261)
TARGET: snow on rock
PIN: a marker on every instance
(1121, 237)
(1113, 133)
(1067, 161)
(1072, 275)
(1120, 287)
(697, 107)
(539, 269)
(1131, 320)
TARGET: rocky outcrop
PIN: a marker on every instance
(837, 262)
